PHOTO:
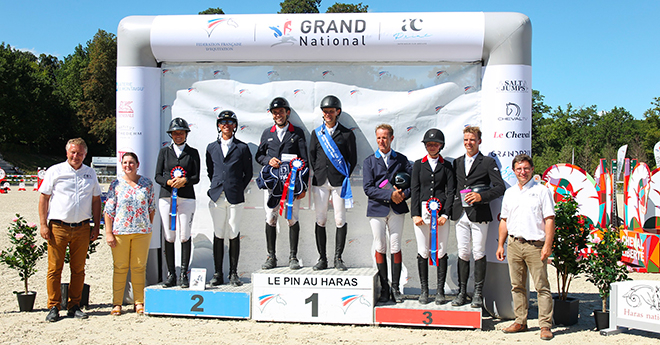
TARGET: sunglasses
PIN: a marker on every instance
(226, 122)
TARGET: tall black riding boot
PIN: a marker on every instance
(396, 276)
(271, 237)
(382, 274)
(442, 276)
(321, 240)
(294, 234)
(171, 268)
(186, 247)
(423, 268)
(234, 251)
(340, 242)
(479, 278)
(218, 256)
(463, 275)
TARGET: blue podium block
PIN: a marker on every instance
(305, 295)
(219, 302)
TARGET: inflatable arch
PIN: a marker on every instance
(385, 67)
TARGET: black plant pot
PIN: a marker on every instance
(26, 300)
(84, 300)
(566, 312)
(602, 319)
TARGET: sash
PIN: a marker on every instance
(177, 171)
(290, 186)
(334, 155)
(434, 206)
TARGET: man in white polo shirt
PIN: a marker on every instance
(70, 197)
(528, 225)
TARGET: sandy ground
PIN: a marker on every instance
(101, 328)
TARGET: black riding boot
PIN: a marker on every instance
(463, 275)
(479, 278)
(340, 242)
(423, 268)
(186, 247)
(271, 237)
(294, 234)
(396, 276)
(382, 274)
(321, 240)
(442, 276)
(218, 256)
(171, 268)
(234, 251)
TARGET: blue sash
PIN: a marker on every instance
(334, 155)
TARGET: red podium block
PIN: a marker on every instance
(411, 313)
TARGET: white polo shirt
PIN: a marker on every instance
(71, 192)
(525, 209)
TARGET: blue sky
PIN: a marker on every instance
(587, 52)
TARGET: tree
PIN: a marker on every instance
(300, 6)
(211, 10)
(347, 8)
(651, 134)
(98, 103)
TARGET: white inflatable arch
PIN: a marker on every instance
(385, 67)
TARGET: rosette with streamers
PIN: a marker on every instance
(177, 171)
(295, 165)
(434, 206)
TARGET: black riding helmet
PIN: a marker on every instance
(434, 135)
(178, 124)
(227, 115)
(279, 102)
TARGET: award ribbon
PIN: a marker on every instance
(434, 206)
(177, 171)
(290, 186)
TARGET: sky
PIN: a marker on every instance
(584, 52)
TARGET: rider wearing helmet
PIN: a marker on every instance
(432, 177)
(387, 206)
(177, 154)
(331, 177)
(279, 144)
(229, 167)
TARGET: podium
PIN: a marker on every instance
(223, 301)
(412, 313)
(305, 295)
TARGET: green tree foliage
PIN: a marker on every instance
(651, 133)
(347, 8)
(211, 10)
(300, 6)
(97, 105)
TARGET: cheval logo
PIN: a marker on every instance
(517, 86)
(381, 74)
(243, 127)
(167, 70)
(349, 300)
(298, 91)
(212, 24)
(242, 91)
(272, 74)
(512, 135)
(467, 88)
(219, 73)
(264, 300)
(410, 128)
(124, 109)
(283, 35)
(164, 107)
(327, 73)
(438, 108)
(411, 30)
(438, 74)
(512, 113)
(355, 92)
(216, 109)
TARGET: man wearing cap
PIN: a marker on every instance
(184, 159)
(279, 145)
(229, 167)
(386, 206)
(481, 182)
(332, 156)
(527, 225)
(70, 197)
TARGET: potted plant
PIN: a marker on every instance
(603, 267)
(570, 238)
(23, 257)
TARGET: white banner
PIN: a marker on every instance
(138, 109)
(656, 154)
(320, 37)
(620, 157)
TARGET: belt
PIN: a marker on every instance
(71, 225)
(524, 241)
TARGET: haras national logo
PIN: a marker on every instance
(320, 33)
(512, 112)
